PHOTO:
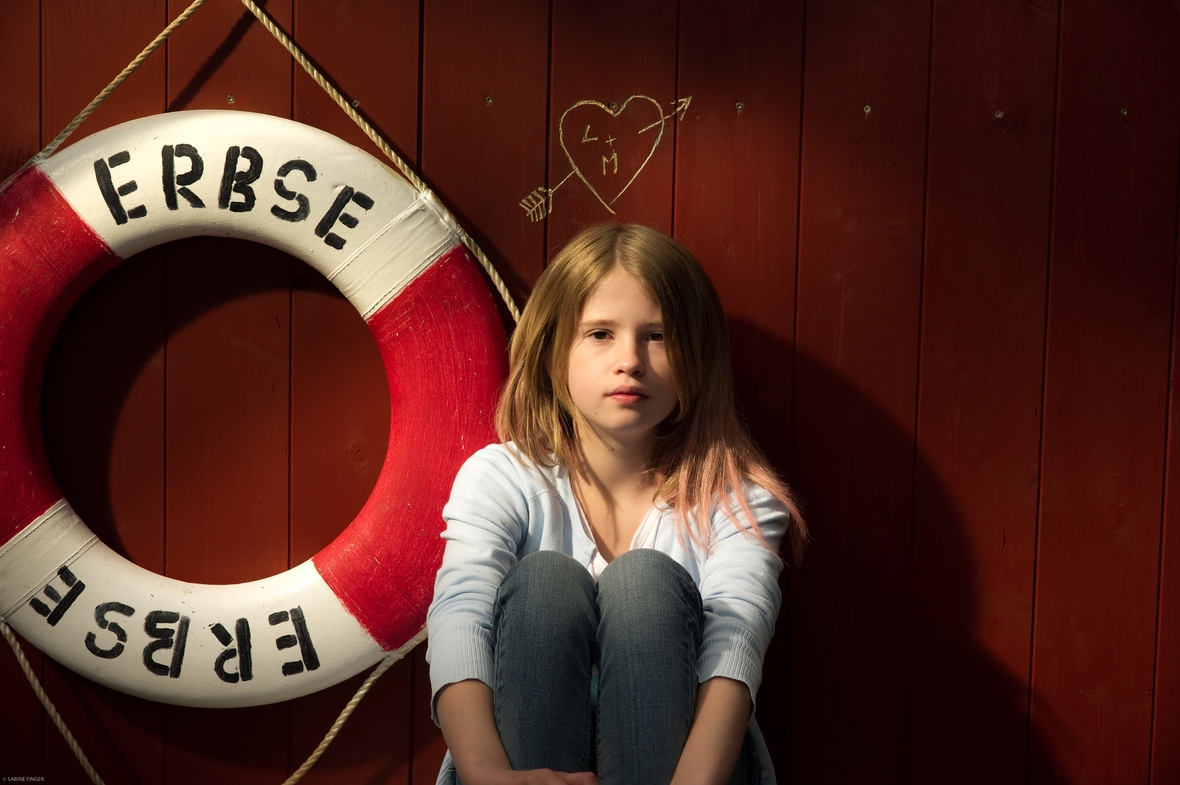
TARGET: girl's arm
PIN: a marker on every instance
(741, 599)
(487, 523)
(469, 727)
(718, 729)
(468, 724)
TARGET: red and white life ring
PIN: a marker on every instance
(393, 252)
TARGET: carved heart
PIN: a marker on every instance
(608, 148)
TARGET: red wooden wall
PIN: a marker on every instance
(946, 237)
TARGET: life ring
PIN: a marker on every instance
(392, 251)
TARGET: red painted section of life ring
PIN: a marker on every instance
(444, 376)
(48, 258)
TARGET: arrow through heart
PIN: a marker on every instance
(606, 147)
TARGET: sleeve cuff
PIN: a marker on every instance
(457, 653)
(730, 650)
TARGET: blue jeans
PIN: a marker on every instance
(641, 625)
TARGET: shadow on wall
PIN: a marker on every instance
(871, 679)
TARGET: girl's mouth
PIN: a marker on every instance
(627, 395)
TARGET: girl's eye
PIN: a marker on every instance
(656, 336)
(600, 335)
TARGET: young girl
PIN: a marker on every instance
(609, 585)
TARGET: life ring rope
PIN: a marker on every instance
(406, 170)
(293, 49)
(118, 80)
(498, 283)
(50, 709)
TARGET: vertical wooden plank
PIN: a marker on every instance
(339, 396)
(115, 457)
(736, 196)
(429, 745)
(987, 235)
(1110, 301)
(103, 415)
(339, 434)
(20, 138)
(1165, 726)
(84, 46)
(227, 410)
(369, 50)
(224, 59)
(736, 209)
(860, 253)
(227, 470)
(20, 721)
(20, 101)
(484, 81)
(611, 160)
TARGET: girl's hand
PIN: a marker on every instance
(465, 713)
(538, 777)
(550, 777)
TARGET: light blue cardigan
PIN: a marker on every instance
(503, 507)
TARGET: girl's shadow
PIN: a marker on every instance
(876, 673)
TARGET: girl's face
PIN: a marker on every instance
(619, 376)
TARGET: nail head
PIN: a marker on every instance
(868, 108)
(999, 114)
(229, 98)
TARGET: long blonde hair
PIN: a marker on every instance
(702, 451)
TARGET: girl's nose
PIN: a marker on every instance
(630, 359)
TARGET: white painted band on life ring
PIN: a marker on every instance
(414, 231)
(292, 621)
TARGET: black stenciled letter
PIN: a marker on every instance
(282, 190)
(241, 651)
(336, 212)
(233, 181)
(168, 157)
(166, 638)
(100, 617)
(62, 603)
(111, 193)
(301, 638)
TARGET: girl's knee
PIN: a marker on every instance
(646, 569)
(544, 569)
(649, 589)
(547, 590)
